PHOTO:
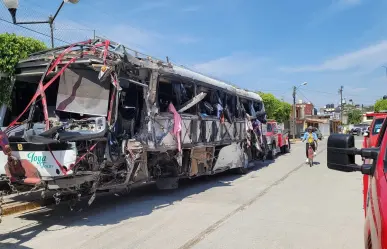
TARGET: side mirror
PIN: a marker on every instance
(366, 134)
(341, 154)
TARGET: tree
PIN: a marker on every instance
(275, 108)
(354, 116)
(12, 49)
(368, 108)
(380, 105)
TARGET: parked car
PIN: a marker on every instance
(356, 131)
(359, 129)
(365, 129)
(277, 139)
(341, 156)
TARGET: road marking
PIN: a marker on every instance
(201, 236)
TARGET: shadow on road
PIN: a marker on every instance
(114, 208)
(13, 246)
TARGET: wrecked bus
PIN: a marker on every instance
(92, 117)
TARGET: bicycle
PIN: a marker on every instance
(310, 155)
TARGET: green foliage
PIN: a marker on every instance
(12, 49)
(380, 105)
(368, 108)
(275, 108)
(354, 116)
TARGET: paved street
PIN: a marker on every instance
(285, 204)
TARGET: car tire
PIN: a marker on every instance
(287, 147)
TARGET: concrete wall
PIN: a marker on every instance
(299, 128)
(325, 129)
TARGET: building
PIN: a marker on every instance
(322, 122)
(369, 116)
(304, 110)
(326, 119)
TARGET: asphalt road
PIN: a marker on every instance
(281, 204)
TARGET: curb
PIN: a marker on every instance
(18, 208)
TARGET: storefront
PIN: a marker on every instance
(322, 124)
(334, 126)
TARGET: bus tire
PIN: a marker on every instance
(271, 153)
(244, 169)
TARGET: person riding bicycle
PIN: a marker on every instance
(311, 138)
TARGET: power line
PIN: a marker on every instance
(348, 95)
(32, 30)
(302, 94)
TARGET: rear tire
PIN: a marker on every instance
(286, 148)
(245, 166)
(271, 153)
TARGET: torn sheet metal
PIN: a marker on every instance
(201, 160)
(229, 157)
(193, 102)
(80, 91)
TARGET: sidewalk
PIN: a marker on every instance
(295, 140)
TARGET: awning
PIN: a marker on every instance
(315, 120)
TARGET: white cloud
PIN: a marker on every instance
(190, 9)
(333, 9)
(142, 40)
(364, 59)
(235, 64)
(145, 40)
(349, 2)
(187, 39)
(133, 37)
(351, 89)
(147, 6)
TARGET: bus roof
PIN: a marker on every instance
(190, 74)
(164, 67)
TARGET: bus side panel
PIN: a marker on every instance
(230, 157)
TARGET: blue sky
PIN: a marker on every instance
(259, 45)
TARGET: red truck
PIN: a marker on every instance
(370, 140)
(277, 139)
(341, 156)
(371, 136)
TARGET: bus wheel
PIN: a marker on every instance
(271, 153)
(245, 165)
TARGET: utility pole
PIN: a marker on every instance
(294, 111)
(294, 107)
(341, 104)
(12, 6)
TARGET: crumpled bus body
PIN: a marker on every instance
(93, 117)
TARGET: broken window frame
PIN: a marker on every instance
(189, 87)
